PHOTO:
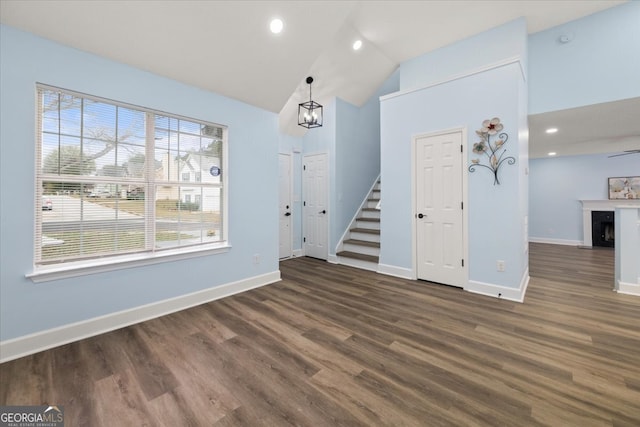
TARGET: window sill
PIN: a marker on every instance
(83, 268)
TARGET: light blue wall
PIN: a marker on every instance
(495, 220)
(523, 170)
(496, 213)
(357, 155)
(323, 140)
(348, 181)
(558, 183)
(506, 41)
(601, 64)
(627, 248)
(27, 308)
(350, 136)
(602, 57)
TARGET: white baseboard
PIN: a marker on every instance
(39, 341)
(392, 270)
(333, 259)
(298, 253)
(497, 291)
(555, 241)
(628, 288)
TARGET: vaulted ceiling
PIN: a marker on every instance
(226, 46)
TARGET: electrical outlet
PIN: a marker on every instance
(500, 265)
(256, 259)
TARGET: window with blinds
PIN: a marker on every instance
(115, 179)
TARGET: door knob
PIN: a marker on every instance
(287, 214)
(324, 211)
(421, 216)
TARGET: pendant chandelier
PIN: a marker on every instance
(310, 112)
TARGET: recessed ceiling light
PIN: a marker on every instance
(551, 130)
(276, 26)
(357, 44)
(552, 153)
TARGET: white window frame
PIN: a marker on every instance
(46, 272)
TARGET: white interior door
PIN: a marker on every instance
(439, 219)
(314, 193)
(284, 209)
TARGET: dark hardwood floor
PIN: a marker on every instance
(335, 346)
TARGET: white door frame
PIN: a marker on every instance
(290, 157)
(465, 211)
(327, 201)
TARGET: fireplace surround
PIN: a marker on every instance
(589, 206)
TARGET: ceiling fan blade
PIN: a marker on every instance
(626, 153)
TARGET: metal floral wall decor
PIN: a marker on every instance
(492, 145)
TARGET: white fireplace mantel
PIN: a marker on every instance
(599, 205)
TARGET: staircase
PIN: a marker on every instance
(361, 245)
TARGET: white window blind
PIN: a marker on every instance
(111, 179)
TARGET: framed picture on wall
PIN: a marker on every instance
(624, 187)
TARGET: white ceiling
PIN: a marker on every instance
(610, 127)
(226, 46)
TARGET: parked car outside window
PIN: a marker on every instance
(47, 204)
(104, 194)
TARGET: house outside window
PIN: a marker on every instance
(111, 173)
(198, 176)
(186, 176)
